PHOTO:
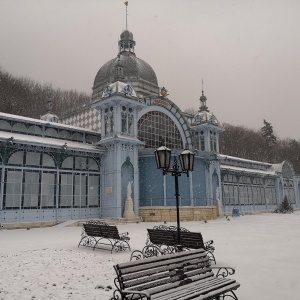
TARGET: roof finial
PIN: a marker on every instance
(203, 101)
(126, 4)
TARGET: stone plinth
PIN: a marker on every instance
(128, 212)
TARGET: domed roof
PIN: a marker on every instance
(205, 117)
(134, 68)
(126, 35)
(128, 68)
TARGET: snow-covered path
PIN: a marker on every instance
(45, 263)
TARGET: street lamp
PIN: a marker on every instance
(163, 157)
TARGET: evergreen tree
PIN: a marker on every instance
(268, 133)
(285, 206)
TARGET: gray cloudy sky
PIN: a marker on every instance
(247, 51)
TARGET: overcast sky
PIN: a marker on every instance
(247, 52)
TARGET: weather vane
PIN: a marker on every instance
(126, 4)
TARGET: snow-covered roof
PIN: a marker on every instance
(244, 160)
(49, 142)
(41, 122)
(246, 170)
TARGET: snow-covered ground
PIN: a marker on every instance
(45, 263)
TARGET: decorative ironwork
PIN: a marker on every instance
(224, 271)
(233, 296)
(107, 91)
(170, 228)
(117, 293)
(7, 149)
(128, 90)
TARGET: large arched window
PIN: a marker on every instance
(29, 181)
(79, 182)
(156, 128)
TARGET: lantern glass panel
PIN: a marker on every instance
(162, 156)
(187, 160)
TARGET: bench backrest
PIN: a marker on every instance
(164, 272)
(92, 229)
(162, 237)
(99, 230)
(191, 240)
(110, 232)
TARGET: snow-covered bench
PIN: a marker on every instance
(96, 233)
(183, 275)
(164, 240)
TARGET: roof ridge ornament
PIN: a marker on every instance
(164, 93)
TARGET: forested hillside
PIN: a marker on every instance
(25, 97)
(252, 144)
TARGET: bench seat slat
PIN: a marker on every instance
(170, 286)
(206, 290)
(150, 271)
(219, 291)
(189, 290)
(141, 264)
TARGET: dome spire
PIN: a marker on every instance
(203, 99)
(126, 4)
(126, 42)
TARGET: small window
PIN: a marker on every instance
(16, 158)
(92, 165)
(19, 127)
(4, 125)
(80, 163)
(33, 159)
(68, 163)
(77, 137)
(48, 161)
(51, 132)
(90, 139)
(64, 134)
(35, 130)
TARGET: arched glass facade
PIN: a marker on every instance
(43, 182)
(156, 128)
(246, 190)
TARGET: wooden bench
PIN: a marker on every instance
(97, 233)
(207, 245)
(164, 240)
(183, 275)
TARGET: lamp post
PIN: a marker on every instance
(163, 157)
